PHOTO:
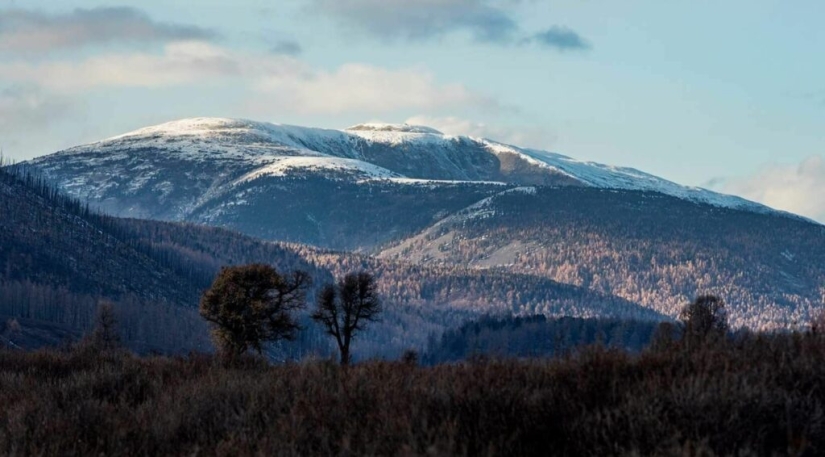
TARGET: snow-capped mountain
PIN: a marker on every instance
(206, 156)
(413, 194)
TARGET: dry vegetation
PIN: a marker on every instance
(760, 395)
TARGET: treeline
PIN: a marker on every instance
(426, 300)
(54, 316)
(536, 336)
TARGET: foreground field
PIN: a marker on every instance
(759, 396)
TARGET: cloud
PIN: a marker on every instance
(487, 21)
(531, 137)
(180, 63)
(421, 19)
(25, 31)
(798, 188)
(287, 47)
(279, 82)
(27, 108)
(359, 88)
(560, 38)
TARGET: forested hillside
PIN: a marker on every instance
(59, 260)
(648, 248)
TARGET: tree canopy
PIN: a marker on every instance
(253, 304)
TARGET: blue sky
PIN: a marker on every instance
(729, 95)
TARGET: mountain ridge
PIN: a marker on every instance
(444, 157)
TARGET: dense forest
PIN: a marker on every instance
(58, 260)
(648, 248)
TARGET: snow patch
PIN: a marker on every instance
(611, 177)
(403, 128)
(289, 165)
(437, 182)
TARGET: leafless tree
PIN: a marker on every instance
(344, 309)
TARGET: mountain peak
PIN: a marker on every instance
(240, 147)
(196, 126)
(398, 128)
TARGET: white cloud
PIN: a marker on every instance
(798, 188)
(367, 89)
(26, 31)
(279, 82)
(531, 137)
(180, 63)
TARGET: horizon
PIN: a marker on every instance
(736, 108)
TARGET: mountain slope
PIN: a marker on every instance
(57, 260)
(649, 248)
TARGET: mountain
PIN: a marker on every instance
(412, 194)
(58, 260)
(350, 189)
(652, 249)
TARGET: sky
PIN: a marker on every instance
(725, 95)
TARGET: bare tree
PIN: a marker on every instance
(253, 304)
(345, 308)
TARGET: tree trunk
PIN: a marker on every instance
(344, 355)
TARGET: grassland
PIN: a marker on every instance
(759, 395)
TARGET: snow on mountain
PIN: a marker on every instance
(218, 138)
(396, 134)
(350, 167)
(368, 151)
(400, 128)
(611, 177)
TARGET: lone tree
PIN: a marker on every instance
(704, 319)
(253, 304)
(345, 308)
